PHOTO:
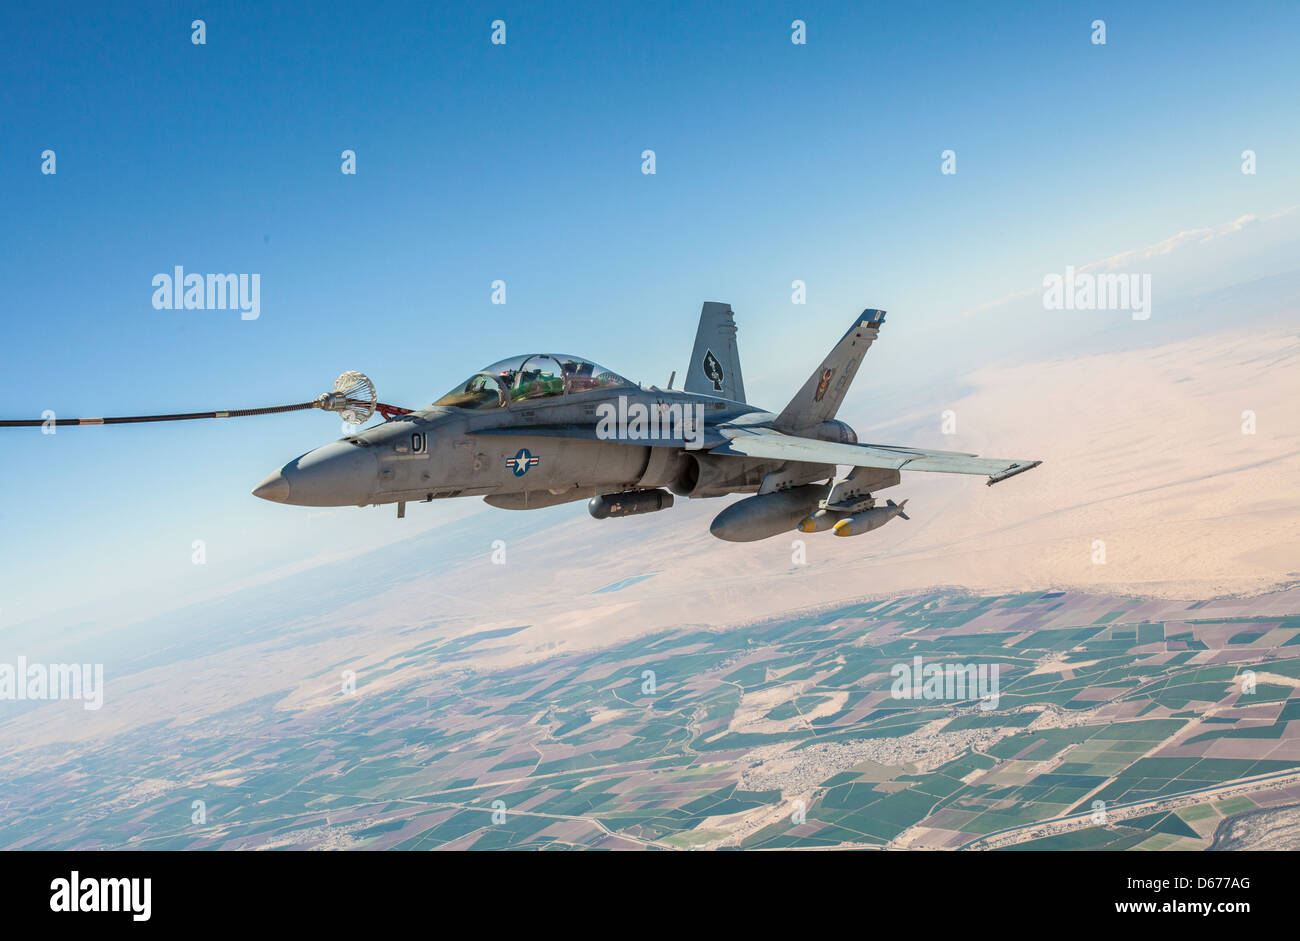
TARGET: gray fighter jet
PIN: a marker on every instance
(546, 428)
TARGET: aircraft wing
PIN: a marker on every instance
(773, 445)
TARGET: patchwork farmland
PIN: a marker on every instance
(1114, 724)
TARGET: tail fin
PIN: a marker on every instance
(715, 361)
(899, 507)
(821, 395)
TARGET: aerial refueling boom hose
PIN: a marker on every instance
(353, 397)
(133, 419)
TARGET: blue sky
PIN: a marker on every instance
(522, 162)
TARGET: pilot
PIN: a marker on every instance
(479, 391)
(536, 383)
(578, 374)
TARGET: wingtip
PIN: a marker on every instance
(1013, 471)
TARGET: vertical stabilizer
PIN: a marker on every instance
(821, 395)
(715, 361)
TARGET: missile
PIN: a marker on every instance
(767, 514)
(629, 503)
(820, 521)
(868, 520)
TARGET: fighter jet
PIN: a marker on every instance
(547, 428)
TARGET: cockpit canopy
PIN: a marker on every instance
(534, 376)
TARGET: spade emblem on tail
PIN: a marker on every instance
(713, 370)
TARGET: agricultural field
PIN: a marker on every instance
(1085, 722)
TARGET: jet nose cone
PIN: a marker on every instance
(338, 474)
(275, 488)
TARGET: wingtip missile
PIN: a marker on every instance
(1011, 471)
